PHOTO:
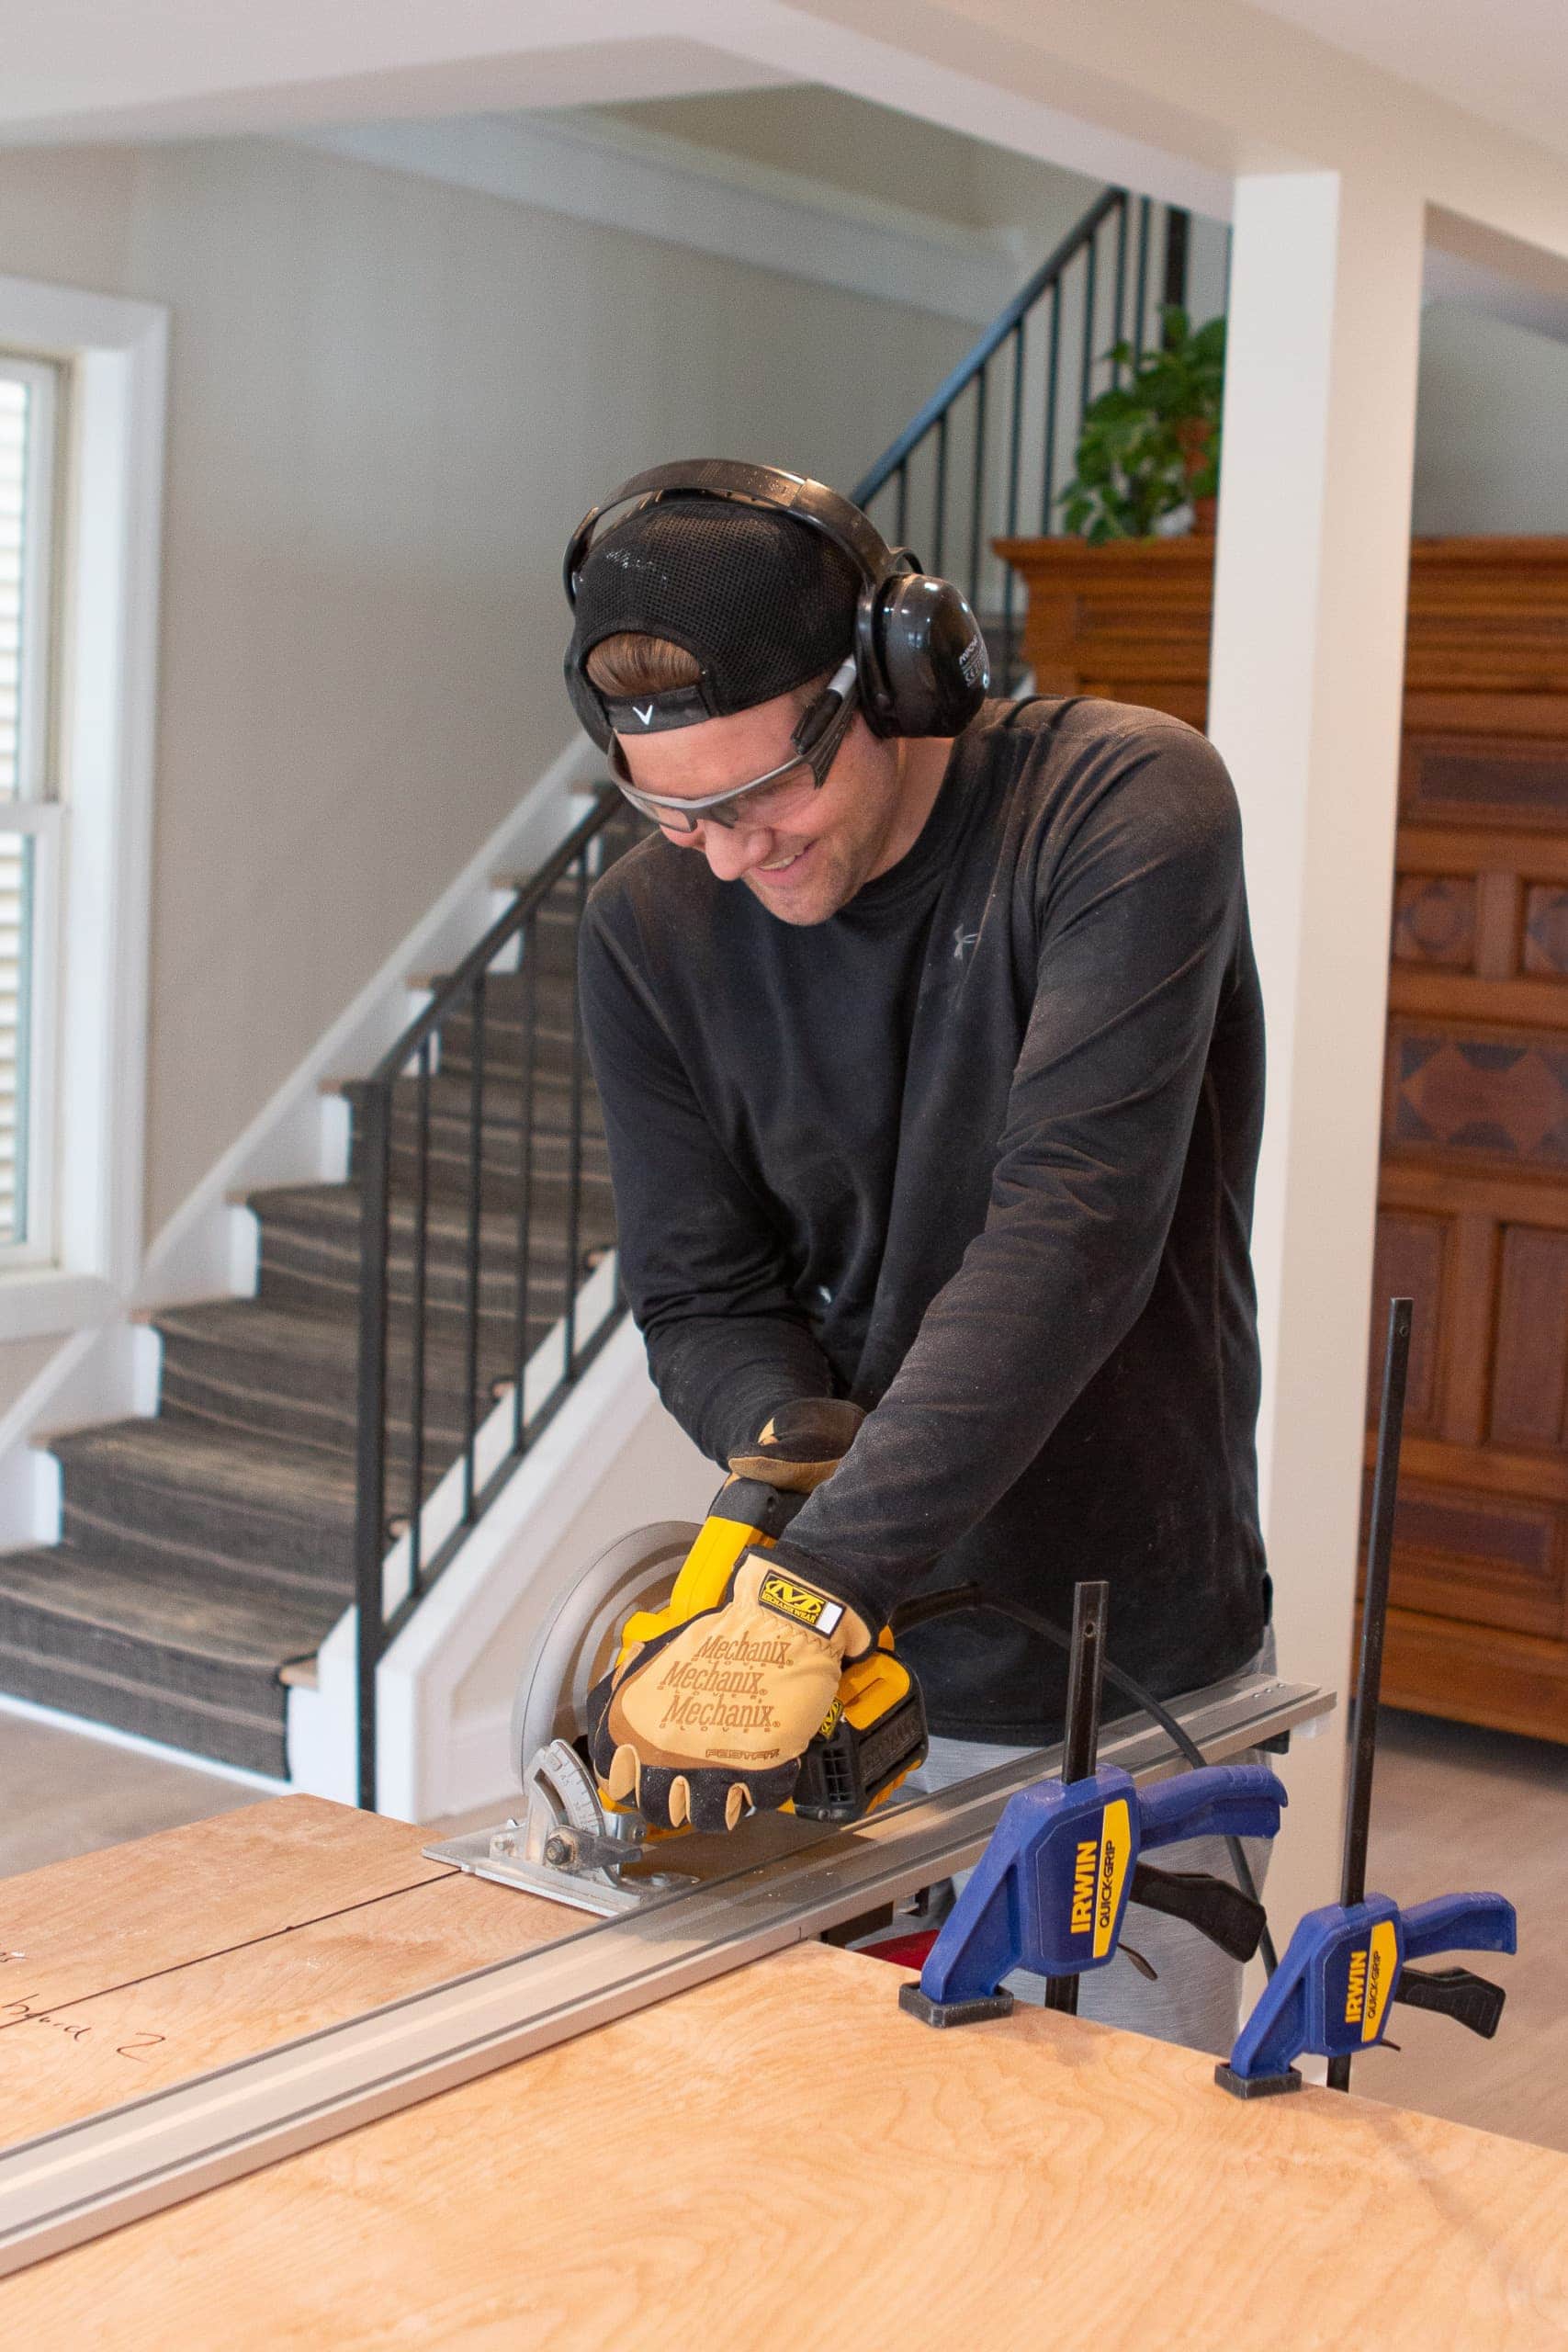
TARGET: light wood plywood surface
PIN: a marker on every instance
(782, 2156)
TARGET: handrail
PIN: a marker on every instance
(992, 342)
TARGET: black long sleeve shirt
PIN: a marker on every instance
(979, 1152)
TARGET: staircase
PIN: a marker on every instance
(207, 1552)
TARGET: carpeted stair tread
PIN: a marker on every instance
(173, 1605)
(248, 1470)
(336, 1208)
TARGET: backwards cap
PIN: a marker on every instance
(762, 601)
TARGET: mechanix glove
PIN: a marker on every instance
(713, 1718)
(803, 1443)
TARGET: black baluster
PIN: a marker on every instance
(1053, 370)
(939, 531)
(1140, 320)
(525, 1177)
(1015, 429)
(417, 1354)
(1090, 252)
(977, 509)
(1120, 286)
(901, 529)
(374, 1154)
(574, 1177)
(476, 1203)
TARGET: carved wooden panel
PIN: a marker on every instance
(1480, 779)
(1434, 919)
(1477, 1093)
(1546, 929)
(1409, 1262)
(1529, 1387)
(1487, 1558)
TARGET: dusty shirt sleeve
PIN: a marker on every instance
(699, 1260)
(1138, 914)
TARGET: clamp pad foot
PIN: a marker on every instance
(1257, 2086)
(919, 2005)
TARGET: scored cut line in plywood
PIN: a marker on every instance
(79, 1927)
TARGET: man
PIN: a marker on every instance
(931, 1066)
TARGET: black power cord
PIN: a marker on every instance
(958, 1597)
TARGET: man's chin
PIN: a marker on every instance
(812, 900)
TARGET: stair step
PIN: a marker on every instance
(257, 1509)
(310, 1255)
(246, 1364)
(164, 1649)
(448, 1156)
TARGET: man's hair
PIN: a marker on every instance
(629, 665)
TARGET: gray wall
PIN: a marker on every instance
(1491, 426)
(391, 399)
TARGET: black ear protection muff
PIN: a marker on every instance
(921, 659)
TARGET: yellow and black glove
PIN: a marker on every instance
(802, 1444)
(713, 1718)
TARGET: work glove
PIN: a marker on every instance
(711, 1719)
(803, 1443)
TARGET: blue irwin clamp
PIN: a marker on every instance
(1346, 1965)
(1051, 1890)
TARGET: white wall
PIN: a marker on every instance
(1491, 426)
(389, 402)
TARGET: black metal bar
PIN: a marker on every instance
(457, 984)
(1146, 209)
(1015, 429)
(417, 1354)
(525, 1177)
(978, 501)
(574, 1173)
(939, 527)
(372, 1114)
(1053, 369)
(1374, 1618)
(901, 527)
(1177, 226)
(472, 1265)
(1080, 1731)
(1121, 289)
(1091, 260)
(996, 334)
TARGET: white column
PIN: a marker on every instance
(1308, 657)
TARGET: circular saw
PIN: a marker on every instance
(570, 1841)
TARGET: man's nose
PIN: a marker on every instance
(733, 850)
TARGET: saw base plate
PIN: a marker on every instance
(498, 1854)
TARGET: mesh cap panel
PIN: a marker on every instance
(762, 601)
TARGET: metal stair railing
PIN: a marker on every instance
(396, 1103)
(994, 444)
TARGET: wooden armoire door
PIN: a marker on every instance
(1473, 1210)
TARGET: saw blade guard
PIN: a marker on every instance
(580, 1640)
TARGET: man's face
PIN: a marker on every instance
(839, 838)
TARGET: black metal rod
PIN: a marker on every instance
(374, 1122)
(1080, 1732)
(1015, 431)
(574, 1170)
(416, 1350)
(1374, 1619)
(1141, 299)
(1086, 378)
(471, 1266)
(939, 528)
(996, 334)
(901, 527)
(978, 499)
(1053, 370)
(1177, 225)
(1121, 289)
(526, 1179)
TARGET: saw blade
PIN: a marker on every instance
(576, 1642)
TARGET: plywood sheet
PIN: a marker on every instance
(783, 2157)
(79, 1927)
(72, 2058)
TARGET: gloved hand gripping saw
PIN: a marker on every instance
(871, 1734)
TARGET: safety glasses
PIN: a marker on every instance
(768, 799)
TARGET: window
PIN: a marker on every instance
(30, 402)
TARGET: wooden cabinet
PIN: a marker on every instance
(1473, 1185)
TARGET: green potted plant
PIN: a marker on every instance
(1151, 445)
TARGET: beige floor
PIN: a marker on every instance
(1455, 1809)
